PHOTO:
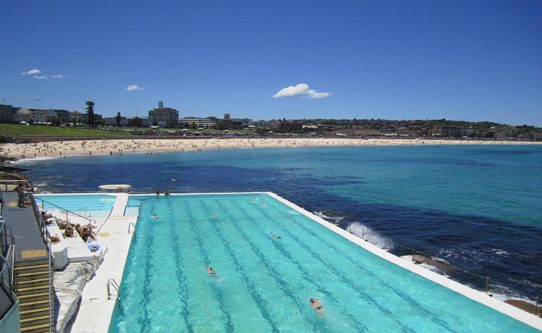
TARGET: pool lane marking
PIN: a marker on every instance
(258, 299)
(203, 253)
(145, 321)
(368, 298)
(182, 280)
(401, 294)
(194, 271)
(319, 288)
(281, 284)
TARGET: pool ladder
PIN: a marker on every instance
(115, 285)
(130, 225)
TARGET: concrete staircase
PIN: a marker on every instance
(32, 289)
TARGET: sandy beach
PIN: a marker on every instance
(59, 149)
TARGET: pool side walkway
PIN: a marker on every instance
(24, 227)
(96, 310)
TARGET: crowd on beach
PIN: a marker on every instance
(118, 147)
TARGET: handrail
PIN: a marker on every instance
(112, 282)
(90, 221)
(7, 182)
(12, 249)
(8, 265)
(131, 224)
(46, 236)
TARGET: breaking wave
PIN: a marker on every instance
(369, 235)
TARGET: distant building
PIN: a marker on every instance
(40, 116)
(7, 113)
(164, 117)
(195, 122)
(78, 118)
(63, 116)
(23, 115)
(449, 131)
(112, 121)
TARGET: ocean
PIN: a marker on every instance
(477, 207)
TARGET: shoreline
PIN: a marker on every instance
(62, 149)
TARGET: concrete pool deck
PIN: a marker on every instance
(96, 310)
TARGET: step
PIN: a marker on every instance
(32, 297)
(37, 318)
(35, 328)
(29, 289)
(32, 268)
(32, 283)
(31, 276)
(33, 304)
(26, 263)
(24, 313)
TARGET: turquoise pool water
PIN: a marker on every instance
(92, 205)
(265, 284)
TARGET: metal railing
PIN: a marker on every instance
(4, 183)
(46, 236)
(115, 285)
(63, 210)
(131, 225)
(7, 262)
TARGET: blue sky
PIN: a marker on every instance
(463, 60)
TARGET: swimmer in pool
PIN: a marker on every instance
(316, 305)
(154, 216)
(211, 271)
(275, 236)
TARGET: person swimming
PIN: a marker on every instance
(316, 305)
(275, 236)
(211, 271)
(155, 217)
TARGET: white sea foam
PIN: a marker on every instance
(34, 159)
(427, 266)
(333, 219)
(366, 233)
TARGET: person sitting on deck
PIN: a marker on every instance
(275, 236)
(166, 192)
(68, 232)
(211, 271)
(46, 218)
(87, 233)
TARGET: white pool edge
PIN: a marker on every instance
(475, 295)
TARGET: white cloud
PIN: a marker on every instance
(41, 77)
(133, 87)
(31, 72)
(317, 94)
(301, 89)
(57, 76)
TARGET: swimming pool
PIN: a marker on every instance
(264, 284)
(92, 205)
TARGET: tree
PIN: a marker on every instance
(118, 119)
(90, 112)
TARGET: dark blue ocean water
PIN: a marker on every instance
(478, 207)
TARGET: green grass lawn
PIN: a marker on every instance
(16, 130)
